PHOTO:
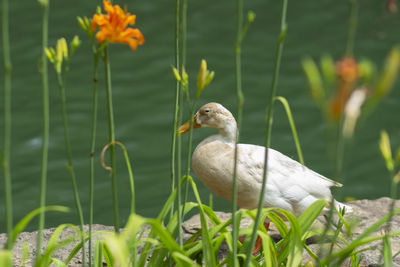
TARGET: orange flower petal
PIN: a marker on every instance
(114, 26)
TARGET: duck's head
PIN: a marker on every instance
(212, 115)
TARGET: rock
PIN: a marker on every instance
(365, 214)
(30, 240)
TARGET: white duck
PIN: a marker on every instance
(290, 185)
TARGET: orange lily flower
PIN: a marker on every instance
(348, 74)
(114, 26)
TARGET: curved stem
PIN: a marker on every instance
(70, 166)
(7, 123)
(289, 115)
(92, 152)
(269, 113)
(43, 177)
(111, 138)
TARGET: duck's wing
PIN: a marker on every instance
(290, 185)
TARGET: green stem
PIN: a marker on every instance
(92, 151)
(46, 126)
(175, 135)
(339, 152)
(274, 83)
(183, 15)
(189, 154)
(240, 100)
(7, 123)
(352, 27)
(111, 138)
(70, 165)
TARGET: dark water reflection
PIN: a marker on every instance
(144, 92)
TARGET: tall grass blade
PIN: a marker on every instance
(209, 259)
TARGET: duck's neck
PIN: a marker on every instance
(229, 131)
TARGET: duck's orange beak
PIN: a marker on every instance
(186, 126)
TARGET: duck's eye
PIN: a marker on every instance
(207, 111)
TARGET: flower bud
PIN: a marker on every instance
(386, 151)
(75, 43)
(82, 24)
(201, 77)
(176, 74)
(251, 16)
(50, 54)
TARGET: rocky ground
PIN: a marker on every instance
(366, 213)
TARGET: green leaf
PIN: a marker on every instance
(209, 259)
(390, 73)
(314, 80)
(387, 252)
(183, 260)
(5, 258)
(98, 254)
(54, 243)
(270, 254)
(58, 263)
(328, 69)
(107, 255)
(24, 222)
(310, 214)
(117, 249)
(366, 71)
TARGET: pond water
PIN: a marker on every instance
(143, 92)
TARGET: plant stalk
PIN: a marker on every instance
(183, 23)
(111, 138)
(70, 165)
(352, 27)
(92, 151)
(7, 124)
(269, 114)
(175, 135)
(46, 126)
(240, 100)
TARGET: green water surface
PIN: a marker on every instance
(143, 94)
